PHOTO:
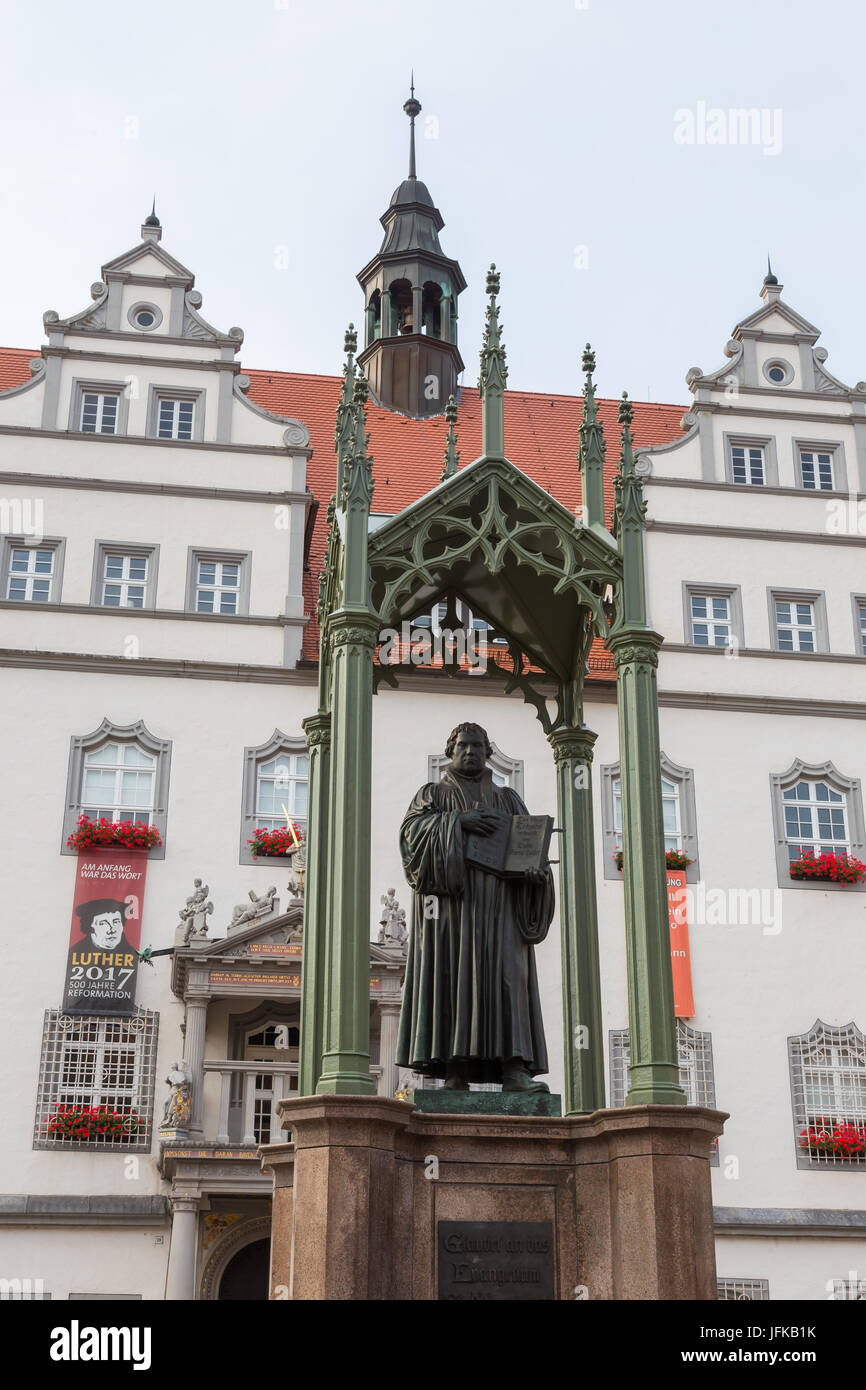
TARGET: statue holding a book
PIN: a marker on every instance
(482, 900)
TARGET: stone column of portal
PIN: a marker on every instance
(318, 730)
(180, 1277)
(346, 1005)
(194, 1040)
(583, 1042)
(389, 1022)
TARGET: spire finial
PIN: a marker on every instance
(591, 452)
(494, 373)
(770, 278)
(151, 227)
(152, 220)
(412, 108)
(452, 455)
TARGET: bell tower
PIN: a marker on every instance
(410, 357)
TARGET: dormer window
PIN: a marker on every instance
(99, 412)
(145, 317)
(175, 418)
(747, 464)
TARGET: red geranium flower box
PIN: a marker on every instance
(94, 1121)
(107, 834)
(833, 868)
(836, 1139)
(674, 859)
(275, 843)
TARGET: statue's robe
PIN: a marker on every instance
(471, 991)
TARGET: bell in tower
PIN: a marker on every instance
(410, 357)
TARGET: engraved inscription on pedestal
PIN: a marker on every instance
(502, 1261)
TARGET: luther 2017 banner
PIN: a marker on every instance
(102, 966)
(681, 963)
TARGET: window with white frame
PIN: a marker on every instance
(277, 1044)
(124, 580)
(276, 776)
(828, 1092)
(695, 1056)
(119, 773)
(175, 418)
(119, 783)
(679, 817)
(94, 1062)
(796, 625)
(860, 623)
(217, 586)
(743, 1290)
(816, 819)
(99, 412)
(849, 1290)
(281, 790)
(31, 572)
(816, 470)
(747, 464)
(711, 620)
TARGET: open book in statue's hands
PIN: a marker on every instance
(517, 845)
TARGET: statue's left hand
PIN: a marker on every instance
(536, 875)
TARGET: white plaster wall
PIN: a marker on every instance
(24, 407)
(797, 1268)
(110, 1260)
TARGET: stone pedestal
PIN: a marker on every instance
(386, 1203)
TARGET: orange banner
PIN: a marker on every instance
(681, 963)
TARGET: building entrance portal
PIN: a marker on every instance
(245, 1277)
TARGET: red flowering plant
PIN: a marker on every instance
(106, 834)
(275, 843)
(834, 1139)
(835, 868)
(674, 859)
(90, 1122)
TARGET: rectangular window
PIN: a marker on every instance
(711, 620)
(796, 628)
(217, 586)
(670, 814)
(90, 1062)
(99, 412)
(124, 581)
(861, 628)
(817, 470)
(747, 464)
(175, 418)
(815, 819)
(30, 576)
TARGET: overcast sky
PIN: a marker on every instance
(576, 144)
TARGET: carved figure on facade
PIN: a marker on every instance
(193, 917)
(177, 1110)
(392, 920)
(258, 907)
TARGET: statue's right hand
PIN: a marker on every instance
(479, 822)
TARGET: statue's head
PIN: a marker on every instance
(468, 747)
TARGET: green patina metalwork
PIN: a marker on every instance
(490, 536)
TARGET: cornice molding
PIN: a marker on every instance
(167, 614)
(757, 533)
(766, 652)
(209, 494)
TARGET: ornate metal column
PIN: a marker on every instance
(635, 646)
(582, 1037)
(352, 634)
(494, 374)
(318, 730)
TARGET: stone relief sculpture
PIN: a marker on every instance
(258, 907)
(392, 928)
(177, 1110)
(193, 917)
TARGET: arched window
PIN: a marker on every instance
(828, 1095)
(120, 773)
(817, 808)
(401, 307)
(431, 310)
(374, 317)
(275, 777)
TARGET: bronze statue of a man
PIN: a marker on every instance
(471, 1008)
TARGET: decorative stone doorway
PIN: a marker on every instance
(245, 1277)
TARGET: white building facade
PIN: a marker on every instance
(156, 527)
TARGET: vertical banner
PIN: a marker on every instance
(102, 965)
(681, 963)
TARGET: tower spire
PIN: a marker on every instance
(592, 450)
(452, 455)
(412, 107)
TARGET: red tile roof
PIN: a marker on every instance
(541, 438)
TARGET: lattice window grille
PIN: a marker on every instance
(828, 1084)
(93, 1061)
(743, 1290)
(695, 1054)
(849, 1290)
